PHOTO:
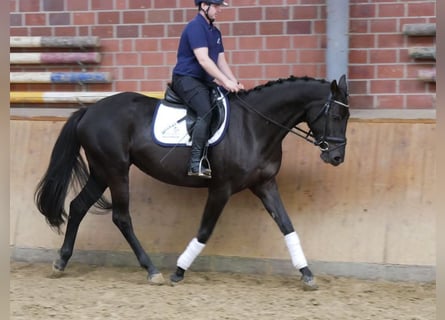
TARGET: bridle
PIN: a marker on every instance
(323, 141)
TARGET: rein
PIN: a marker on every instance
(322, 143)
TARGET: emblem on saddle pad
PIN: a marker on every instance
(173, 121)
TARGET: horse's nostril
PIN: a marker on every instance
(337, 159)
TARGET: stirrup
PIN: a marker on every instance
(203, 171)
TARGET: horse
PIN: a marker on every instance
(116, 132)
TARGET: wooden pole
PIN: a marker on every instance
(54, 57)
(54, 42)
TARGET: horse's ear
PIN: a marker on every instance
(342, 83)
(334, 87)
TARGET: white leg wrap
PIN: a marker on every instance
(189, 255)
(296, 252)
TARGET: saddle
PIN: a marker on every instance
(173, 120)
(171, 99)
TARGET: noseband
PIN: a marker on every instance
(323, 141)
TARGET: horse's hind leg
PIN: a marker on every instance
(121, 218)
(269, 195)
(78, 208)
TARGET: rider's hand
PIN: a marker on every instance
(231, 86)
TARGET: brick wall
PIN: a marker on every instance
(264, 40)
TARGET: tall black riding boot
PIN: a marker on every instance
(200, 136)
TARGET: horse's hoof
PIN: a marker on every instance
(157, 279)
(309, 283)
(57, 270)
(175, 279)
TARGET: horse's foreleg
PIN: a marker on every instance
(269, 195)
(78, 209)
(122, 219)
(216, 201)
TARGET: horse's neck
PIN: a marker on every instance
(286, 102)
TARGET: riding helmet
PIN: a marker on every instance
(218, 2)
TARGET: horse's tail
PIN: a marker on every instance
(66, 163)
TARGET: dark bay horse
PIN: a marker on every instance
(116, 132)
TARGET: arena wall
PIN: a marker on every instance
(372, 216)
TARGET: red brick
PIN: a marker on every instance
(384, 26)
(68, 31)
(276, 13)
(299, 27)
(420, 101)
(53, 5)
(15, 19)
(362, 11)
(153, 31)
(270, 56)
(390, 40)
(278, 71)
(134, 17)
(35, 19)
(304, 12)
(152, 58)
(252, 72)
(127, 45)
(78, 5)
(60, 18)
(246, 57)
(40, 31)
(421, 9)
(271, 28)
(164, 3)
(101, 5)
(133, 73)
(174, 30)
(304, 42)
(102, 31)
(313, 56)
(390, 71)
(277, 42)
(383, 56)
(127, 59)
(391, 10)
(84, 18)
(108, 17)
(361, 72)
(146, 44)
(246, 14)
(361, 101)
(244, 28)
(248, 43)
(29, 5)
(160, 16)
(168, 44)
(411, 86)
(383, 86)
(358, 26)
(390, 101)
(358, 86)
(362, 41)
(127, 86)
(159, 72)
(358, 56)
(301, 70)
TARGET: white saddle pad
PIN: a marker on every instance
(170, 129)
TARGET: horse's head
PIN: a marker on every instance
(328, 122)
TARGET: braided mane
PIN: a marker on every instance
(279, 81)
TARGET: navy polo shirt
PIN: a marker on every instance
(197, 34)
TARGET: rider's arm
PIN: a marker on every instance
(202, 55)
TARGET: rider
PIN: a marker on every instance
(200, 66)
